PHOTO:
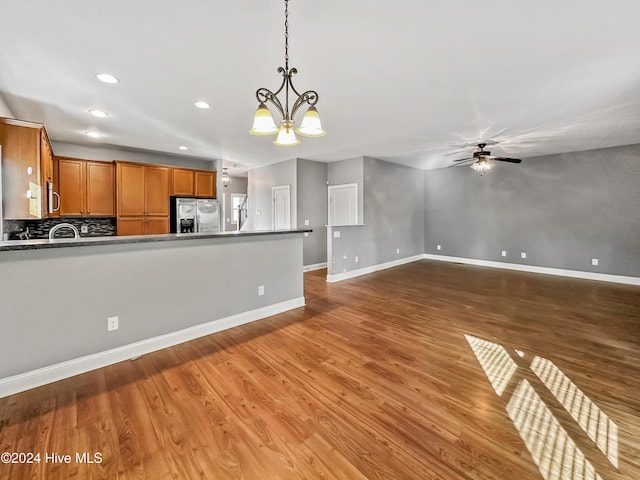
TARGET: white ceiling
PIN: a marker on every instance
(408, 81)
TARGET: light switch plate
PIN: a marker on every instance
(336, 234)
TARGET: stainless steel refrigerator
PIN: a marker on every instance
(194, 215)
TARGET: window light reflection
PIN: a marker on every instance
(495, 361)
(593, 421)
(551, 448)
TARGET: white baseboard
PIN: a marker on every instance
(604, 277)
(59, 371)
(315, 266)
(374, 268)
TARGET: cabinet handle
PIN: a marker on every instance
(56, 195)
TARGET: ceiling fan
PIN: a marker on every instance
(480, 160)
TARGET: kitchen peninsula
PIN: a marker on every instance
(56, 296)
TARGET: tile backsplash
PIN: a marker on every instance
(96, 227)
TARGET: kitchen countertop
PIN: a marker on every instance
(114, 240)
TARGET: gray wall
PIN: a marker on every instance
(312, 206)
(562, 210)
(349, 171)
(54, 303)
(261, 180)
(89, 152)
(393, 219)
(238, 185)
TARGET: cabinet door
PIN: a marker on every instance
(205, 184)
(156, 187)
(46, 167)
(131, 184)
(131, 226)
(99, 189)
(182, 183)
(20, 155)
(71, 186)
(157, 225)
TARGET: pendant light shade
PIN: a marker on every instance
(311, 126)
(286, 136)
(263, 123)
(225, 178)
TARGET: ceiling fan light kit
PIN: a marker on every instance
(263, 123)
(481, 159)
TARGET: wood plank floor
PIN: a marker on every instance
(425, 371)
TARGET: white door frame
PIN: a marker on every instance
(335, 187)
(283, 188)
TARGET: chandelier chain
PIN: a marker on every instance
(286, 34)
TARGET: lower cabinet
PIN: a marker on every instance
(157, 225)
(143, 225)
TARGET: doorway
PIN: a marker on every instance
(281, 196)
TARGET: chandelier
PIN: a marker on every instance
(263, 123)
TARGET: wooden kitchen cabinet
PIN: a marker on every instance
(27, 161)
(131, 225)
(156, 225)
(205, 183)
(143, 198)
(86, 188)
(156, 190)
(182, 182)
(143, 225)
(130, 181)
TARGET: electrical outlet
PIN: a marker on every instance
(306, 234)
(336, 234)
(503, 253)
(356, 259)
(306, 222)
(438, 247)
(523, 254)
(397, 251)
(594, 261)
(84, 228)
(260, 290)
(112, 324)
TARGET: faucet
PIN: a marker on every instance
(76, 234)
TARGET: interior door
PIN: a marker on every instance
(343, 204)
(281, 207)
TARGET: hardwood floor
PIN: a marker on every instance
(425, 371)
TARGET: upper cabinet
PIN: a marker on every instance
(86, 188)
(27, 168)
(190, 183)
(205, 184)
(143, 198)
(182, 182)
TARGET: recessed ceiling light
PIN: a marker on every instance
(98, 113)
(182, 147)
(202, 105)
(107, 78)
(93, 134)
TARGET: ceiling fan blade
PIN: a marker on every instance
(507, 159)
(462, 160)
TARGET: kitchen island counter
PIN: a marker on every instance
(58, 301)
(36, 244)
